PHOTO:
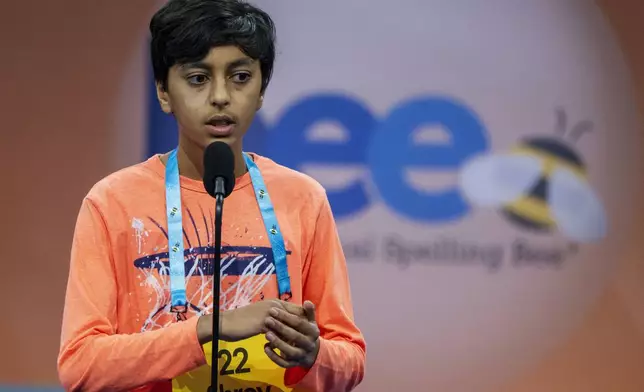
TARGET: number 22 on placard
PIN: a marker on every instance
(228, 358)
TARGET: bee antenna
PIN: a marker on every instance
(562, 121)
(580, 129)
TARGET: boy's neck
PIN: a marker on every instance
(190, 159)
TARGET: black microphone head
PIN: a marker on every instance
(219, 162)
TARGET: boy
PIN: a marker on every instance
(123, 328)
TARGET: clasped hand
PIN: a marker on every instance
(289, 328)
(294, 333)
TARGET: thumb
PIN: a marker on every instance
(309, 310)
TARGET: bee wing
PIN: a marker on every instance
(494, 180)
(576, 208)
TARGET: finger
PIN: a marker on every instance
(309, 310)
(277, 359)
(288, 351)
(291, 335)
(287, 318)
(294, 309)
(299, 324)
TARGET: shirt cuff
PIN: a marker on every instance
(307, 379)
(195, 350)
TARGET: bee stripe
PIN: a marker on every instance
(550, 161)
(532, 209)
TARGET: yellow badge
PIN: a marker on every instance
(243, 367)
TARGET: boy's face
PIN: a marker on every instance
(215, 98)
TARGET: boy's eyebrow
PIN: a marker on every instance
(197, 65)
(244, 61)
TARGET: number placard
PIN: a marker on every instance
(243, 366)
(240, 357)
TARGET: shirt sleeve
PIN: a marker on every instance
(340, 364)
(94, 355)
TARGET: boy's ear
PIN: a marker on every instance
(260, 102)
(164, 99)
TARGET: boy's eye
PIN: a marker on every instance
(241, 77)
(197, 79)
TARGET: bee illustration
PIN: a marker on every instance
(173, 211)
(541, 184)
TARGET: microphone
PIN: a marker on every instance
(219, 169)
(219, 181)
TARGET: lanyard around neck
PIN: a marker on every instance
(177, 253)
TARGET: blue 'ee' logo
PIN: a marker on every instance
(385, 145)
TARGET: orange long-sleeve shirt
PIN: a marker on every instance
(118, 332)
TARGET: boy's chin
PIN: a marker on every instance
(230, 140)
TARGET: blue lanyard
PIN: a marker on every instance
(176, 250)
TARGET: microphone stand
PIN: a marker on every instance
(216, 277)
